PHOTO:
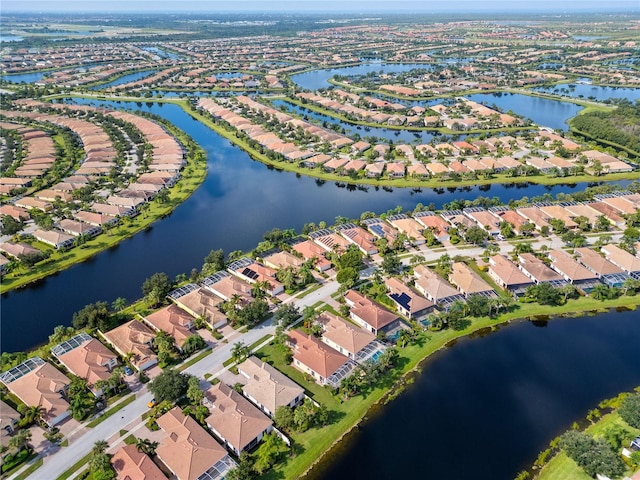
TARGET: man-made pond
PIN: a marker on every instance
(239, 201)
(131, 77)
(485, 407)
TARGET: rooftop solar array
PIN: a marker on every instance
(70, 344)
(473, 210)
(247, 272)
(320, 233)
(21, 370)
(372, 221)
(402, 299)
(346, 226)
(451, 213)
(499, 209)
(377, 230)
(215, 278)
(184, 290)
(427, 213)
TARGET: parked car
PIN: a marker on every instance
(128, 371)
(152, 403)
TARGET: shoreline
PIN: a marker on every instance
(139, 223)
(416, 366)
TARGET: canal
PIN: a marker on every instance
(239, 201)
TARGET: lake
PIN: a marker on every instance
(486, 407)
(239, 201)
(131, 77)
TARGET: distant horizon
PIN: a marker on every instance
(327, 7)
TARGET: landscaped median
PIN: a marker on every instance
(192, 176)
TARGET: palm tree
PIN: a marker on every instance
(146, 446)
(31, 415)
(239, 352)
(99, 447)
(20, 440)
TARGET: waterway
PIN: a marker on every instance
(485, 407)
(131, 77)
(592, 92)
(239, 201)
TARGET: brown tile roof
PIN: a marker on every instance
(319, 357)
(467, 280)
(174, 321)
(344, 334)
(41, 387)
(130, 464)
(233, 417)
(268, 386)
(133, 337)
(507, 272)
(622, 258)
(569, 267)
(89, 361)
(369, 311)
(432, 285)
(537, 269)
(188, 450)
(596, 262)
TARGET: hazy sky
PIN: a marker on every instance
(319, 5)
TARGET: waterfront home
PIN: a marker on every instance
(512, 217)
(55, 238)
(198, 301)
(252, 272)
(468, 281)
(364, 240)
(227, 286)
(114, 210)
(95, 219)
(334, 164)
(606, 271)
(406, 300)
(329, 240)
(316, 160)
(458, 219)
(408, 226)
(356, 343)
(507, 274)
(558, 212)
(267, 387)
(535, 216)
(39, 384)
(381, 229)
(188, 451)
(371, 315)
(129, 464)
(234, 420)
(620, 203)
(572, 270)
(133, 338)
(484, 219)
(326, 365)
(623, 259)
(76, 228)
(435, 223)
(8, 421)
(417, 170)
(283, 259)
(374, 170)
(17, 249)
(87, 358)
(395, 170)
(538, 271)
(311, 251)
(612, 214)
(174, 321)
(434, 287)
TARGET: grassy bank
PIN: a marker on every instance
(192, 176)
(312, 445)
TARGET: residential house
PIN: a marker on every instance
(326, 365)
(188, 451)
(283, 259)
(198, 301)
(434, 287)
(228, 287)
(408, 226)
(371, 315)
(311, 251)
(253, 272)
(623, 259)
(174, 321)
(87, 358)
(435, 223)
(407, 301)
(468, 281)
(507, 274)
(329, 240)
(131, 464)
(572, 270)
(359, 237)
(356, 343)
(8, 421)
(39, 384)
(537, 270)
(268, 388)
(134, 338)
(234, 420)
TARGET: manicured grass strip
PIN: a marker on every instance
(75, 467)
(207, 351)
(111, 411)
(130, 440)
(309, 290)
(32, 468)
(316, 442)
(257, 343)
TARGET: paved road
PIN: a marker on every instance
(55, 464)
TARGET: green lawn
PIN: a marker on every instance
(311, 445)
(112, 411)
(561, 467)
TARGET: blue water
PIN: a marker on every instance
(239, 200)
(594, 92)
(162, 53)
(131, 77)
